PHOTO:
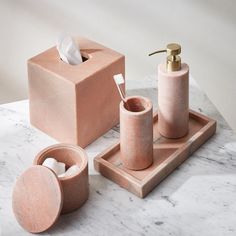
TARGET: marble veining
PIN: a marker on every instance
(198, 198)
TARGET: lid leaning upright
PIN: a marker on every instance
(37, 199)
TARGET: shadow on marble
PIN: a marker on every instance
(106, 196)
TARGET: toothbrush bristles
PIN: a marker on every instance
(119, 79)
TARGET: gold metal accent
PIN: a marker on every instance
(164, 50)
(173, 61)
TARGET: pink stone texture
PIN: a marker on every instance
(173, 101)
(75, 188)
(75, 103)
(168, 154)
(136, 133)
(37, 210)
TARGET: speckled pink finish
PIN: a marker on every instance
(168, 154)
(75, 103)
(75, 188)
(173, 101)
(136, 133)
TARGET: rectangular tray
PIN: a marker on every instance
(168, 154)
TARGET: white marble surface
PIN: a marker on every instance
(199, 198)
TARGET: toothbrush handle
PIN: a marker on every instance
(122, 95)
(121, 92)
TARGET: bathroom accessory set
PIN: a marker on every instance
(167, 155)
(80, 103)
(175, 130)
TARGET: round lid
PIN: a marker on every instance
(37, 199)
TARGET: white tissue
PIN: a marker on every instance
(68, 50)
(70, 171)
(51, 163)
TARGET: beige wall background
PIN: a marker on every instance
(206, 29)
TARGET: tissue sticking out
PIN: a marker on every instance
(119, 80)
(68, 50)
(60, 168)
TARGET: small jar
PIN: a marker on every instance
(40, 196)
(136, 132)
(75, 187)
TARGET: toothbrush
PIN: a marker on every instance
(119, 80)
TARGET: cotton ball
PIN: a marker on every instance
(51, 163)
(61, 168)
(70, 171)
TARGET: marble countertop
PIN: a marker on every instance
(198, 198)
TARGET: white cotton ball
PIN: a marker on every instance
(70, 171)
(61, 168)
(62, 175)
(51, 163)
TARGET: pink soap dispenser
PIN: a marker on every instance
(173, 94)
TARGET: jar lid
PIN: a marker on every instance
(37, 199)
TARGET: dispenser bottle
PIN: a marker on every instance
(173, 94)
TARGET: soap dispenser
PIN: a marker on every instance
(173, 94)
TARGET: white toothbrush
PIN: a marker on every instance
(119, 80)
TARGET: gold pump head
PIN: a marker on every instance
(173, 61)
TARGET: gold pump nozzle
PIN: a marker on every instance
(173, 61)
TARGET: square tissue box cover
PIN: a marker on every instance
(75, 103)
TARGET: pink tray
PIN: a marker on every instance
(168, 154)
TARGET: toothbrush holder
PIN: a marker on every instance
(136, 132)
(75, 188)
